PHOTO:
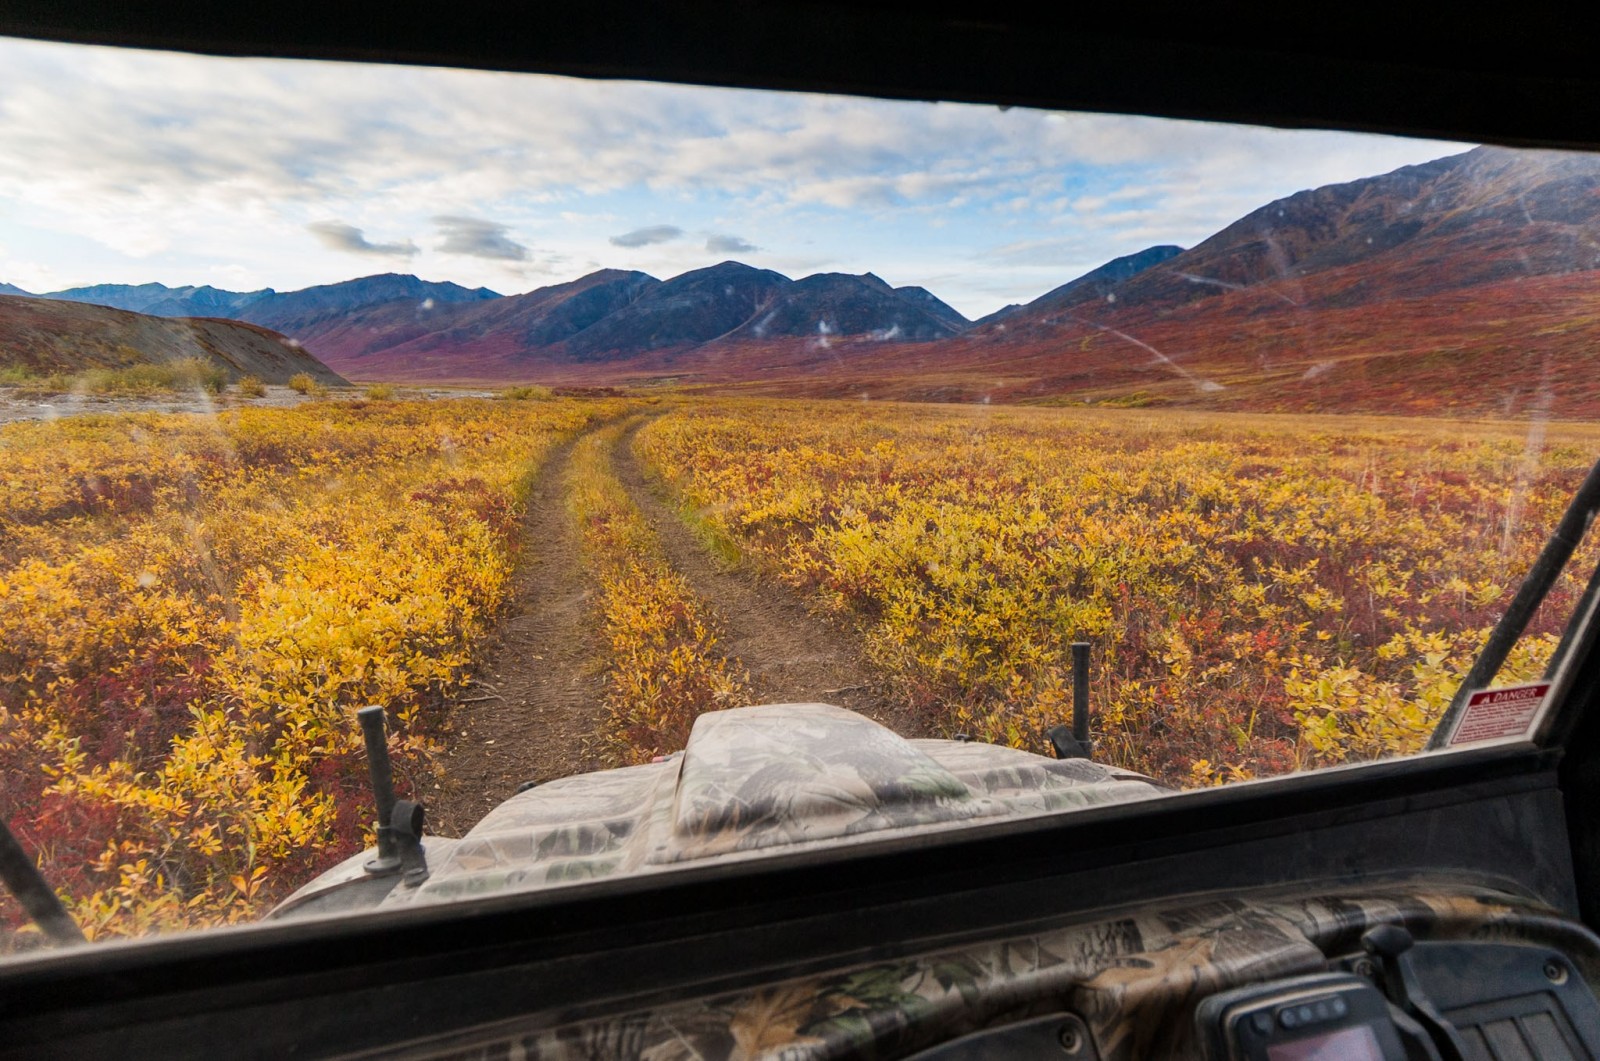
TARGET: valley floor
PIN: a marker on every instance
(192, 606)
(21, 404)
(537, 708)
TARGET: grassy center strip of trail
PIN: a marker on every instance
(535, 707)
(665, 667)
(793, 655)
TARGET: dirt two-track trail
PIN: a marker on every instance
(533, 711)
(792, 656)
(536, 707)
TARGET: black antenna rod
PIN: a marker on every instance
(382, 775)
(31, 890)
(1557, 551)
(1080, 696)
(1074, 742)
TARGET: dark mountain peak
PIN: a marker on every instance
(830, 304)
(928, 302)
(1100, 282)
(293, 310)
(1093, 285)
(13, 289)
(729, 271)
(390, 286)
(558, 313)
(1270, 241)
(817, 281)
(1008, 310)
(160, 300)
(727, 268)
(1137, 262)
(90, 292)
(691, 308)
(631, 278)
(606, 276)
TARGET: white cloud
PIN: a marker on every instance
(717, 243)
(342, 237)
(477, 238)
(644, 237)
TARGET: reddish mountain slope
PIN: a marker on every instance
(1501, 349)
(1468, 285)
(1477, 218)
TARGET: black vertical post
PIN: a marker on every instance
(32, 891)
(382, 774)
(1080, 693)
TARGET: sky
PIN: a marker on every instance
(121, 166)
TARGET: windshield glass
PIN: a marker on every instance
(553, 416)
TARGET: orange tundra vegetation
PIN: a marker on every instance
(192, 607)
(1263, 594)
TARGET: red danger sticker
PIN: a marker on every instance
(1498, 713)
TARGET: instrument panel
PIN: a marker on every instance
(1284, 977)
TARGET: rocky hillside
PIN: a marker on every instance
(43, 336)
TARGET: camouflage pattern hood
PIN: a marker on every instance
(752, 781)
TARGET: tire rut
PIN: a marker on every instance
(536, 704)
(792, 655)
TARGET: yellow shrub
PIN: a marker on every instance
(527, 392)
(191, 608)
(1262, 595)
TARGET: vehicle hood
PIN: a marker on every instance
(752, 781)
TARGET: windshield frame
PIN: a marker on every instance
(654, 53)
(153, 979)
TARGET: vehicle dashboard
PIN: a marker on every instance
(1125, 917)
(1122, 986)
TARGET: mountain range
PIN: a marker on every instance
(392, 326)
(265, 306)
(1470, 284)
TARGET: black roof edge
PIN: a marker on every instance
(1401, 68)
